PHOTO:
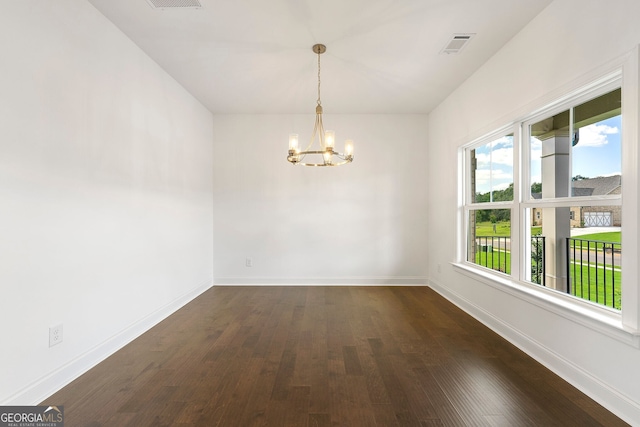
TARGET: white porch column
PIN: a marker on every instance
(556, 225)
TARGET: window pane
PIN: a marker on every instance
(490, 239)
(576, 250)
(595, 148)
(492, 171)
(561, 156)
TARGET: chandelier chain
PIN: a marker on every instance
(319, 102)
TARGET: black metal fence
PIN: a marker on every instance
(593, 271)
(593, 266)
(494, 252)
(491, 252)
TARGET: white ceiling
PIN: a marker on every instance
(383, 56)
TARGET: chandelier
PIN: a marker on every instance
(325, 155)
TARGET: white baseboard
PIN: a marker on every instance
(621, 405)
(44, 387)
(313, 281)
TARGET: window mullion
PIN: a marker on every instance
(515, 208)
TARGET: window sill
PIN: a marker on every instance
(602, 320)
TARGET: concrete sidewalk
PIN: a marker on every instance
(591, 230)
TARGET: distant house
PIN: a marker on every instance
(589, 216)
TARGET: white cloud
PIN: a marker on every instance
(595, 135)
(483, 160)
(501, 179)
(502, 186)
(506, 141)
(485, 174)
(500, 156)
(536, 154)
(501, 175)
(503, 156)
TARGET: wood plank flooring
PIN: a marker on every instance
(323, 356)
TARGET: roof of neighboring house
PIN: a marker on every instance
(599, 186)
(584, 191)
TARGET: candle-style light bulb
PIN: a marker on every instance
(348, 148)
(329, 139)
(293, 142)
(327, 157)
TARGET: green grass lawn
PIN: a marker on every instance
(612, 236)
(501, 229)
(612, 240)
(504, 229)
(487, 229)
(496, 260)
(583, 285)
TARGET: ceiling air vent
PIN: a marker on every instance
(174, 4)
(457, 42)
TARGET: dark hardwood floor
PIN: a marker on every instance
(323, 356)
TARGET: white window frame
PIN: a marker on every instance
(512, 205)
(623, 325)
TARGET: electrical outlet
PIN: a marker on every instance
(55, 335)
(248, 262)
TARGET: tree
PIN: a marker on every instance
(537, 260)
(494, 215)
(536, 187)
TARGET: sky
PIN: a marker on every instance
(597, 153)
(494, 165)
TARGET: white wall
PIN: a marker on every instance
(568, 42)
(358, 223)
(105, 193)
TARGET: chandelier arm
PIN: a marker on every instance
(320, 130)
(313, 135)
